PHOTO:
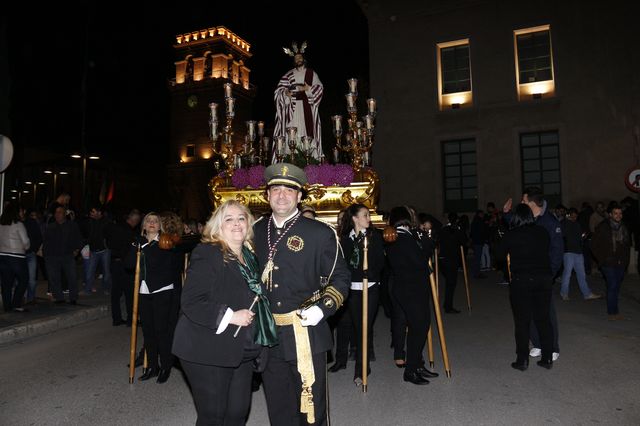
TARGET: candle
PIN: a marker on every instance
(353, 85)
(251, 130)
(368, 119)
(230, 106)
(265, 143)
(358, 124)
(351, 101)
(213, 130)
(213, 107)
(246, 147)
(371, 105)
(261, 128)
(228, 88)
(366, 158)
(306, 143)
(280, 144)
(292, 132)
(335, 155)
(337, 122)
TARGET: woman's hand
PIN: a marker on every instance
(243, 317)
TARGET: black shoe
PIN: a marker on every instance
(117, 322)
(163, 375)
(548, 364)
(520, 364)
(151, 372)
(415, 378)
(426, 373)
(451, 311)
(337, 366)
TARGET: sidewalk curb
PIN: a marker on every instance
(48, 325)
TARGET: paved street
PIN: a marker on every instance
(78, 376)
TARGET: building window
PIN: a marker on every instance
(540, 158)
(460, 180)
(534, 62)
(454, 74)
(191, 151)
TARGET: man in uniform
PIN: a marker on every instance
(306, 280)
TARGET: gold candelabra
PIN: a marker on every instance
(222, 142)
(358, 137)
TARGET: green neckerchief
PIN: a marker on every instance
(354, 258)
(265, 331)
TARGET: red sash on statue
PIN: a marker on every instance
(302, 96)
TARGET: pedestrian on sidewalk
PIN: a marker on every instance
(13, 265)
(573, 259)
(62, 242)
(611, 247)
(35, 239)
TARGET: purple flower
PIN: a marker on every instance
(326, 174)
(313, 173)
(240, 178)
(256, 176)
(343, 174)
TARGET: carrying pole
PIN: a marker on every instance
(466, 278)
(365, 313)
(436, 308)
(134, 320)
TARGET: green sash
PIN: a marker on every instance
(265, 326)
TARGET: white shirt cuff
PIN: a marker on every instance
(225, 321)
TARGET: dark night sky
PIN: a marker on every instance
(130, 59)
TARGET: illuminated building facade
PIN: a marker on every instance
(205, 60)
(484, 98)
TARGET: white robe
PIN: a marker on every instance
(290, 111)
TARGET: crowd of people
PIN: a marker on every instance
(271, 296)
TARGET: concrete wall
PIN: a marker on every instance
(596, 108)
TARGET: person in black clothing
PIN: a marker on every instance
(306, 280)
(157, 284)
(408, 257)
(222, 282)
(355, 227)
(450, 240)
(93, 230)
(527, 244)
(118, 239)
(35, 238)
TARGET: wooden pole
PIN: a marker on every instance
(430, 348)
(509, 268)
(443, 342)
(437, 262)
(365, 313)
(134, 319)
(466, 277)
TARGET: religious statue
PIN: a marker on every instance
(297, 98)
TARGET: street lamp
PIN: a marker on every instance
(55, 178)
(84, 158)
(35, 190)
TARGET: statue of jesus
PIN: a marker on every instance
(297, 98)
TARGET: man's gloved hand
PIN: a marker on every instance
(311, 316)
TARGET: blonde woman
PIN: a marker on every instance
(157, 291)
(225, 320)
